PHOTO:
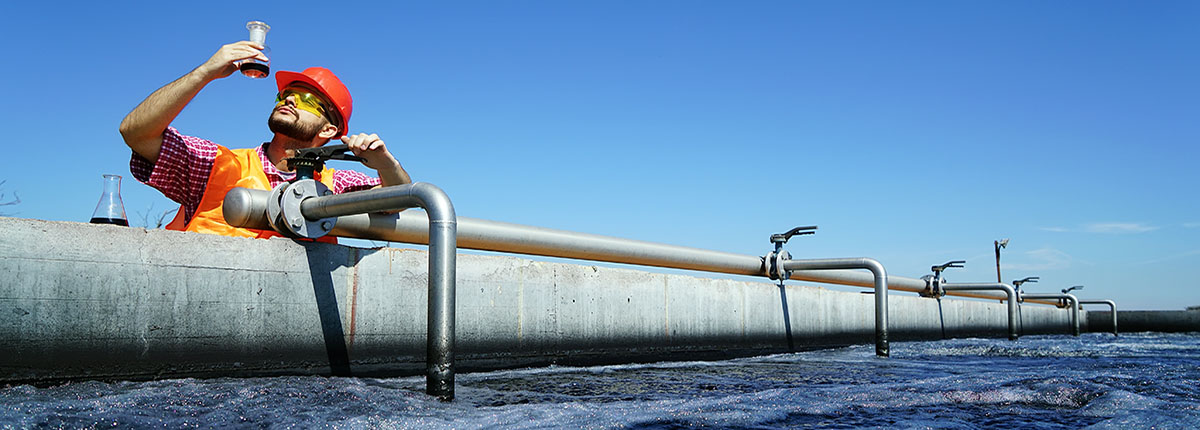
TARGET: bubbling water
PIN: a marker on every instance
(1094, 381)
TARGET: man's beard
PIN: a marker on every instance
(294, 129)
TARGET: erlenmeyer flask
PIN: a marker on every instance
(110, 210)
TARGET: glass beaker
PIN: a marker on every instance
(251, 67)
(110, 210)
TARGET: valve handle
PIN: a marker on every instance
(954, 264)
(1017, 283)
(309, 160)
(785, 236)
(329, 152)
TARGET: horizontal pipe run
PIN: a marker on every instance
(1111, 305)
(1008, 291)
(879, 280)
(1072, 305)
(486, 235)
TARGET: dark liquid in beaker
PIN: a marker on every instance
(255, 70)
(117, 221)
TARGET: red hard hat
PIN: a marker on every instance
(330, 87)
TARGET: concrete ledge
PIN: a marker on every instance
(84, 301)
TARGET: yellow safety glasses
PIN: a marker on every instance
(304, 101)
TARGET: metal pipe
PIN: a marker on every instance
(1008, 291)
(1111, 304)
(1073, 304)
(247, 208)
(880, 282)
(487, 235)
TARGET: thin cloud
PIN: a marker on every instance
(1168, 258)
(1044, 259)
(1118, 227)
(1110, 228)
(1191, 224)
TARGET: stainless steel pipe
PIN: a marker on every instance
(1111, 304)
(880, 281)
(1008, 290)
(1072, 304)
(487, 235)
(247, 208)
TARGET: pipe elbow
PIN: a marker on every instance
(1010, 291)
(874, 266)
(437, 203)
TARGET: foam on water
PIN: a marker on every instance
(1095, 381)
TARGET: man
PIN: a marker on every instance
(311, 108)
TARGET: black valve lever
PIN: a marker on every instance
(1017, 283)
(783, 237)
(329, 152)
(954, 264)
(309, 160)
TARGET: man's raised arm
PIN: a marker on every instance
(143, 128)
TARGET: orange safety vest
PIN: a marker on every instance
(234, 168)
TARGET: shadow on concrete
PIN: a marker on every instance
(323, 260)
(941, 318)
(787, 317)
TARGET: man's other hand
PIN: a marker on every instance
(376, 156)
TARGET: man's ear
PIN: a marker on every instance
(328, 131)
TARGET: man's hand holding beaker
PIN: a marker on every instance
(225, 61)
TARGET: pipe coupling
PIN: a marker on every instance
(285, 216)
(774, 264)
(933, 287)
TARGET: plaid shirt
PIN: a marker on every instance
(185, 162)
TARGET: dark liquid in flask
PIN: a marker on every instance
(117, 221)
(255, 70)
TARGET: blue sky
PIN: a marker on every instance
(911, 132)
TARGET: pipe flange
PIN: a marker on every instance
(780, 257)
(293, 220)
(933, 287)
(774, 262)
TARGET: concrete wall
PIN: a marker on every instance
(97, 301)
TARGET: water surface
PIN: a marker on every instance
(1040, 382)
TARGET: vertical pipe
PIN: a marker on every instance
(1111, 305)
(443, 232)
(1074, 303)
(882, 347)
(439, 343)
(1014, 311)
(881, 289)
(1008, 290)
